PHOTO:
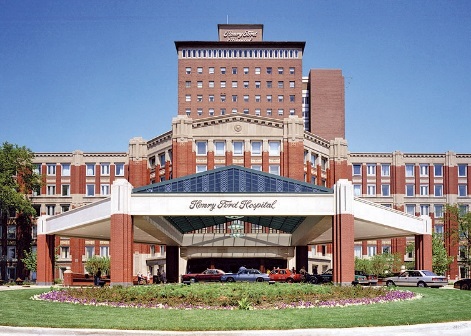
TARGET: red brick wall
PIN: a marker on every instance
(139, 173)
(121, 249)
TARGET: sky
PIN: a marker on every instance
(90, 75)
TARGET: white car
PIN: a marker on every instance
(419, 278)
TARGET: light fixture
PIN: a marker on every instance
(234, 217)
(235, 226)
(236, 234)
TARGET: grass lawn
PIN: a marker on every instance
(437, 305)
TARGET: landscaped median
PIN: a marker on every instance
(228, 296)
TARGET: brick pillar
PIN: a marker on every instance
(77, 249)
(45, 256)
(450, 221)
(423, 252)
(343, 258)
(122, 234)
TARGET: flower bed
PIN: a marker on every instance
(228, 296)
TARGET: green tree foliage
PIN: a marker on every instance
(30, 260)
(381, 265)
(462, 233)
(17, 179)
(440, 258)
(96, 262)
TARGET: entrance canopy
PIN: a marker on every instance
(172, 212)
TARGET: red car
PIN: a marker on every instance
(285, 275)
(208, 275)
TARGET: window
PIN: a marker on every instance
(269, 112)
(410, 189)
(211, 70)
(201, 168)
(424, 190)
(90, 190)
(257, 70)
(280, 84)
(371, 169)
(51, 189)
(280, 98)
(269, 70)
(199, 84)
(89, 251)
(211, 84)
(201, 148)
(188, 111)
(423, 169)
(438, 229)
(223, 98)
(66, 190)
(234, 84)
(105, 189)
(257, 85)
(292, 98)
(246, 71)
(280, 112)
(358, 251)
(256, 147)
(234, 98)
(199, 111)
(256, 167)
(65, 208)
(50, 210)
(291, 84)
(219, 148)
(246, 111)
(462, 190)
(188, 84)
(211, 111)
(188, 70)
(188, 98)
(234, 70)
(51, 169)
(65, 169)
(119, 167)
(211, 98)
(105, 169)
(258, 112)
(269, 98)
(104, 251)
(438, 211)
(438, 169)
(199, 98)
(410, 209)
(238, 148)
(246, 84)
(269, 84)
(90, 169)
(11, 253)
(274, 148)
(223, 70)
(234, 111)
(280, 71)
(462, 170)
(438, 190)
(371, 190)
(409, 170)
(274, 169)
(65, 252)
(371, 250)
(291, 71)
(385, 170)
(222, 111)
(257, 98)
(356, 169)
(246, 98)
(292, 111)
(313, 159)
(199, 70)
(385, 190)
(357, 190)
(11, 232)
(424, 209)
(223, 84)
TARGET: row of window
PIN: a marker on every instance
(223, 111)
(274, 148)
(410, 169)
(410, 190)
(90, 169)
(65, 190)
(245, 84)
(89, 251)
(246, 98)
(313, 159)
(272, 169)
(240, 53)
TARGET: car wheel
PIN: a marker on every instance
(259, 280)
(421, 284)
(230, 279)
(314, 281)
(192, 280)
(390, 283)
(464, 287)
(289, 280)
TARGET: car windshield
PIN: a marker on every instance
(428, 273)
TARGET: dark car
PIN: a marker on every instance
(325, 277)
(464, 284)
(208, 275)
(372, 279)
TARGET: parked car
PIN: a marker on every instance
(361, 279)
(319, 278)
(245, 274)
(464, 284)
(419, 278)
(285, 275)
(208, 275)
(372, 279)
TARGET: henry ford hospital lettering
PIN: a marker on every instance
(229, 204)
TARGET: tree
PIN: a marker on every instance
(461, 234)
(30, 260)
(96, 262)
(17, 180)
(440, 258)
